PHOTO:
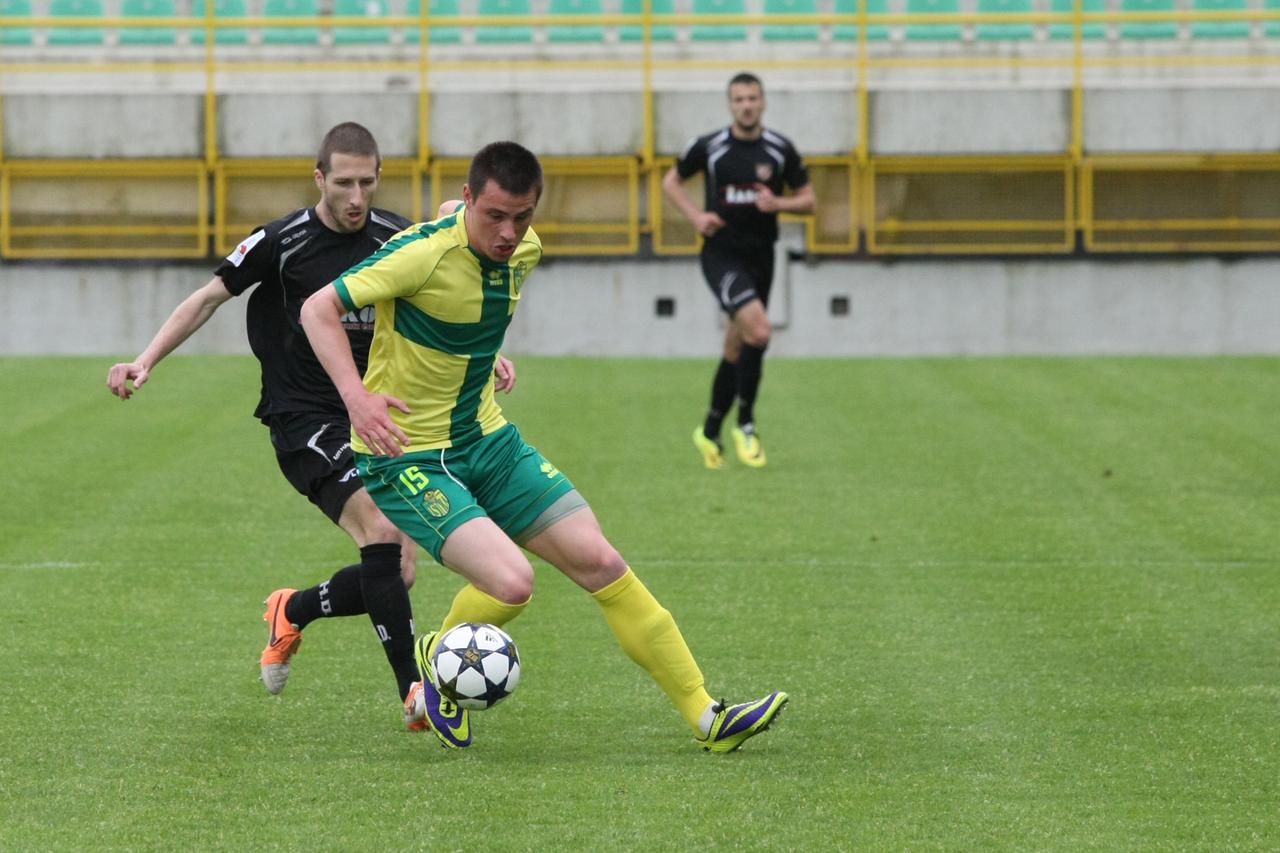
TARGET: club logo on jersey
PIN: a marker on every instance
(237, 256)
(764, 171)
(518, 272)
(738, 194)
(435, 502)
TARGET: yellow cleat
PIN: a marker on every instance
(712, 455)
(750, 450)
(734, 724)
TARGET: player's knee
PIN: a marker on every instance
(513, 584)
(757, 335)
(602, 563)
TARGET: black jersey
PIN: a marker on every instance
(294, 257)
(733, 167)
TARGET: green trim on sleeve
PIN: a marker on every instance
(341, 286)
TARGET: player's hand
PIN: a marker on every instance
(504, 375)
(766, 201)
(708, 223)
(120, 375)
(372, 422)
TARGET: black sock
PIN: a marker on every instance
(750, 368)
(723, 389)
(338, 596)
(389, 610)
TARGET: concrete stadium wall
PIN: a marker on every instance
(904, 308)
(824, 121)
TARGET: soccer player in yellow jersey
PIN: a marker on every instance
(441, 461)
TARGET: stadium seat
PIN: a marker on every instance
(589, 32)
(75, 9)
(1220, 29)
(222, 9)
(148, 9)
(719, 32)
(849, 32)
(790, 32)
(361, 9)
(1148, 29)
(506, 32)
(1004, 31)
(1271, 29)
(934, 32)
(664, 32)
(1088, 30)
(439, 35)
(16, 35)
(290, 9)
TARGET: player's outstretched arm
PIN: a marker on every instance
(192, 313)
(322, 321)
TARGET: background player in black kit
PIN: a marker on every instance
(290, 259)
(747, 168)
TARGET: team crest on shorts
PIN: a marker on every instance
(435, 502)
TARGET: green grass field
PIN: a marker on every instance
(1018, 604)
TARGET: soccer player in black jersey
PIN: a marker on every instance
(747, 167)
(288, 260)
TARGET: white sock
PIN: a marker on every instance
(708, 717)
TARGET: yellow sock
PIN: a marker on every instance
(474, 605)
(650, 637)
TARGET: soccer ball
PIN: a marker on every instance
(476, 665)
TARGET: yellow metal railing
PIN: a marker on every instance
(595, 205)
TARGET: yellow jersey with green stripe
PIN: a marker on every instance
(442, 311)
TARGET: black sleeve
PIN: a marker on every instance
(795, 172)
(694, 158)
(251, 261)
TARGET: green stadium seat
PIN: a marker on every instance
(222, 9)
(290, 9)
(361, 9)
(1088, 30)
(148, 9)
(719, 32)
(1005, 31)
(790, 32)
(849, 32)
(16, 36)
(1271, 29)
(505, 33)
(934, 32)
(439, 35)
(1219, 29)
(590, 32)
(664, 32)
(1148, 29)
(76, 9)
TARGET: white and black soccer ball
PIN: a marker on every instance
(476, 665)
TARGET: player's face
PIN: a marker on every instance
(746, 103)
(347, 191)
(496, 220)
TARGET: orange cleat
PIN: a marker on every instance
(283, 640)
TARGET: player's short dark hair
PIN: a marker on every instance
(510, 165)
(347, 138)
(745, 77)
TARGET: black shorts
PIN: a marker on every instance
(736, 277)
(314, 454)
